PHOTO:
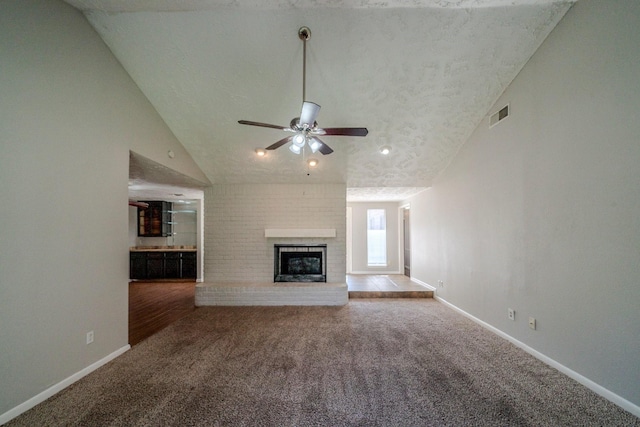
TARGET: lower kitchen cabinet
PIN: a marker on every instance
(188, 265)
(137, 265)
(162, 265)
(155, 265)
(172, 265)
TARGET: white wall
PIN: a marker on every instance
(541, 212)
(359, 238)
(69, 114)
(236, 216)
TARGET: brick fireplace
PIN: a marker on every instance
(243, 222)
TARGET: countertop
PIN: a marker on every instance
(163, 249)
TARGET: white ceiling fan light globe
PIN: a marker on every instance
(299, 140)
(294, 148)
(314, 144)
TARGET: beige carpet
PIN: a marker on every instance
(370, 363)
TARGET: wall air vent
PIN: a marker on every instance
(499, 116)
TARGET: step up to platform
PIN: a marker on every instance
(390, 294)
(272, 294)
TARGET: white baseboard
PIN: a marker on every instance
(596, 388)
(426, 285)
(56, 388)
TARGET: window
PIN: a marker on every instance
(376, 237)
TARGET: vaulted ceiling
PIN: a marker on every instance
(420, 75)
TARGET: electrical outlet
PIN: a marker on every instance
(89, 337)
(440, 284)
(511, 313)
(532, 323)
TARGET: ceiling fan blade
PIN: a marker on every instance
(279, 143)
(264, 125)
(324, 148)
(344, 131)
(309, 113)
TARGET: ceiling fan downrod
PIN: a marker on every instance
(304, 33)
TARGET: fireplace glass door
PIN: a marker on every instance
(300, 263)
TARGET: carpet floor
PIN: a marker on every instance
(369, 363)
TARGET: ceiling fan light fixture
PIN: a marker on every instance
(299, 140)
(385, 150)
(294, 148)
(312, 162)
(314, 145)
(261, 152)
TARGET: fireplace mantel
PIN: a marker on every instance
(299, 232)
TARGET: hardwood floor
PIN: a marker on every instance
(155, 305)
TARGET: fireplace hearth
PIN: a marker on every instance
(300, 263)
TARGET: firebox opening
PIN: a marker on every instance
(300, 263)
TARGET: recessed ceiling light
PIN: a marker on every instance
(261, 152)
(385, 150)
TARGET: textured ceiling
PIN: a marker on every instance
(382, 194)
(420, 75)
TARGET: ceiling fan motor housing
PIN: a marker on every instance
(297, 127)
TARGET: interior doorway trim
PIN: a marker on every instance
(349, 240)
(404, 248)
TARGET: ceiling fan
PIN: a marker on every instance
(305, 128)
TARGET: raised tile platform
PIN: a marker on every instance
(272, 294)
(391, 294)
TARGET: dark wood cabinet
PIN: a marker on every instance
(155, 220)
(172, 265)
(138, 265)
(188, 265)
(155, 265)
(163, 265)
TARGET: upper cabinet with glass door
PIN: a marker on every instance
(155, 220)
